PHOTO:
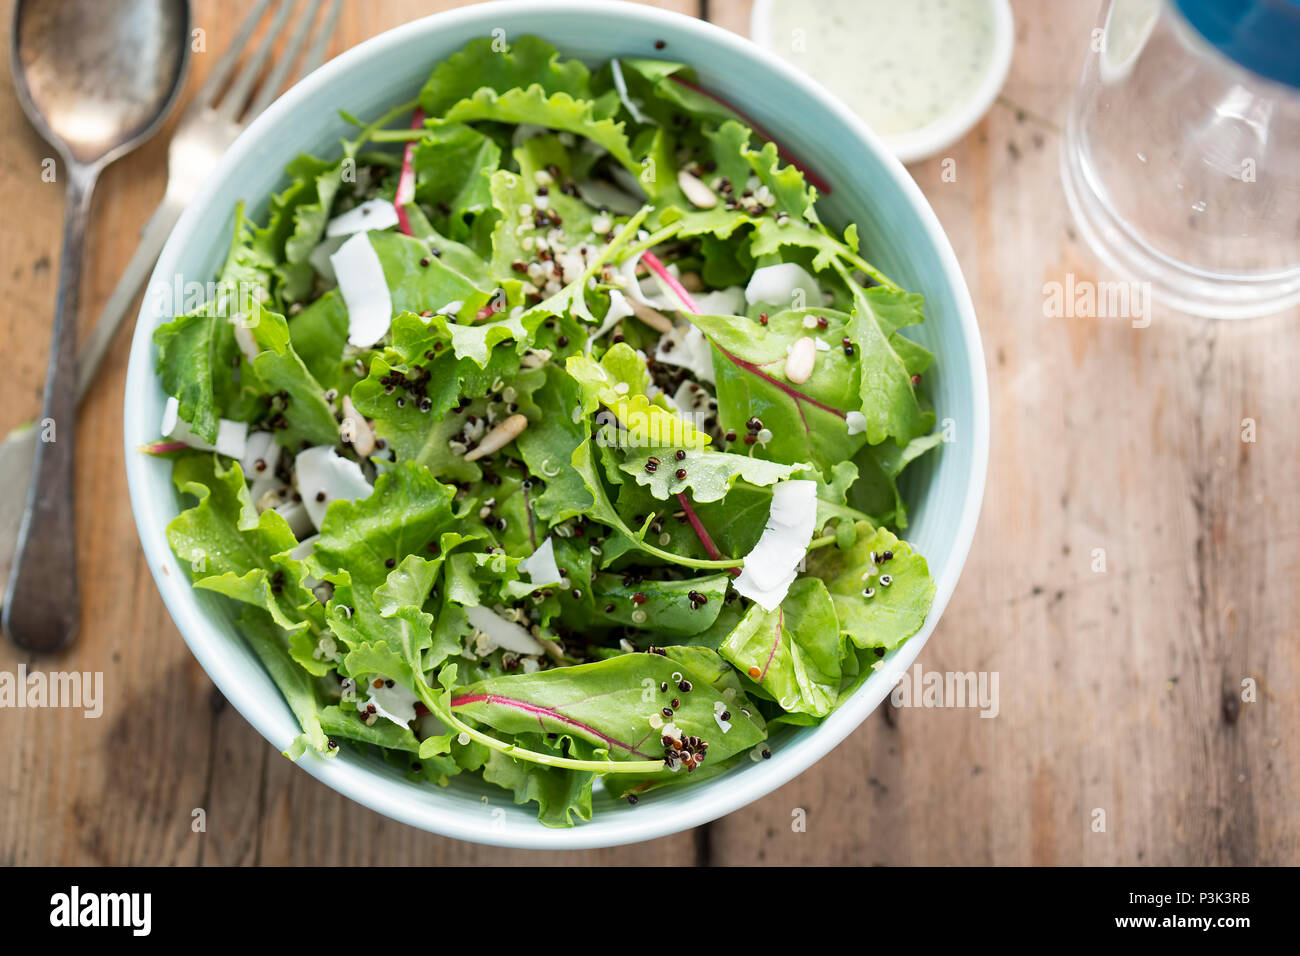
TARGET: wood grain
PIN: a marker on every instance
(1119, 691)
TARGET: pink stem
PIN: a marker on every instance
(163, 447)
(658, 268)
(701, 532)
(794, 393)
(406, 181)
(542, 714)
(492, 308)
(812, 177)
(780, 623)
(668, 279)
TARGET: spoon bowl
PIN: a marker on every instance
(96, 79)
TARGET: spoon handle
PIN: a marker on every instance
(42, 604)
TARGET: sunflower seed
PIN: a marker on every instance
(799, 363)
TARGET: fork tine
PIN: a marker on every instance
(316, 54)
(221, 72)
(232, 104)
(275, 80)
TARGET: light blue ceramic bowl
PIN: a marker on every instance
(899, 232)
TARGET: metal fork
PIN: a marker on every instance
(208, 126)
(206, 129)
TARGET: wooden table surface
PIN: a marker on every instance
(1120, 690)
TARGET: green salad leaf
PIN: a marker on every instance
(793, 653)
(894, 611)
(485, 65)
(612, 707)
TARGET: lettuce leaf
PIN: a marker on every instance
(619, 382)
(482, 64)
(808, 421)
(709, 475)
(889, 399)
(895, 611)
(875, 492)
(793, 653)
(295, 684)
(229, 547)
(452, 165)
(666, 603)
(306, 418)
(361, 542)
(560, 794)
(557, 111)
(197, 352)
(609, 706)
(548, 445)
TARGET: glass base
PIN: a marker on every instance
(1175, 284)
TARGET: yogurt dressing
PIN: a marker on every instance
(900, 64)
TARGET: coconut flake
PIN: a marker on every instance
(371, 214)
(320, 258)
(325, 476)
(232, 437)
(685, 402)
(305, 548)
(504, 634)
(245, 339)
(729, 301)
(295, 513)
(364, 289)
(719, 708)
(616, 69)
(301, 553)
(541, 566)
(689, 350)
(643, 291)
(776, 284)
(857, 422)
(770, 568)
(619, 309)
(260, 447)
(396, 703)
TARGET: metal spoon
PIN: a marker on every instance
(96, 80)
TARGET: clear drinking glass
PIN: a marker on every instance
(1181, 159)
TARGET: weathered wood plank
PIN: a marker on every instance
(1120, 690)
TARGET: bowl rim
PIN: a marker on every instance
(948, 128)
(206, 640)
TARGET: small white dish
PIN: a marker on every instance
(954, 122)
